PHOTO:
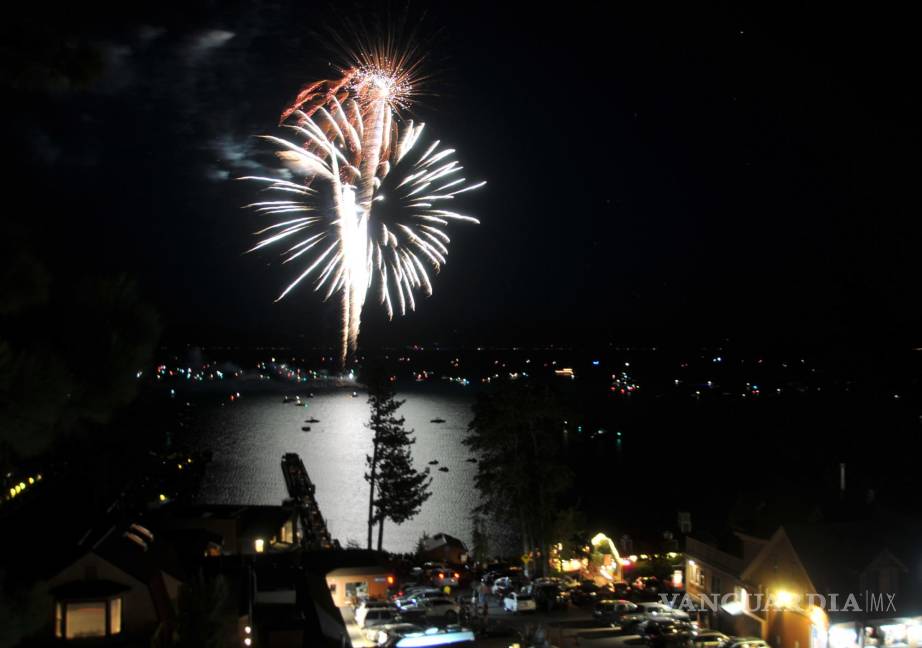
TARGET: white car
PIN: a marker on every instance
(660, 610)
(383, 633)
(519, 603)
(437, 637)
(435, 607)
(418, 597)
(370, 617)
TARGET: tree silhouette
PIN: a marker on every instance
(401, 489)
(517, 435)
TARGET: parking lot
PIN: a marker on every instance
(568, 628)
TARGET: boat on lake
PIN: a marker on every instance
(437, 420)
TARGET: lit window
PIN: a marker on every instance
(58, 620)
(260, 545)
(115, 616)
(86, 620)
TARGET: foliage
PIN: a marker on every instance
(70, 350)
(480, 541)
(571, 531)
(201, 619)
(24, 612)
(401, 488)
(516, 435)
(421, 543)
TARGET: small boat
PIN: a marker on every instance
(443, 469)
(471, 460)
(287, 399)
(437, 420)
(306, 428)
(312, 420)
(433, 462)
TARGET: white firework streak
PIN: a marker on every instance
(348, 215)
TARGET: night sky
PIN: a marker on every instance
(682, 173)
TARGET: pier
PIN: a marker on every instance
(301, 491)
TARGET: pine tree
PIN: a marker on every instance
(402, 490)
(397, 490)
(384, 425)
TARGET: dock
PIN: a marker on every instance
(315, 534)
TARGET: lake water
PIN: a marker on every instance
(249, 437)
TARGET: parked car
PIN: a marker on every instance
(585, 594)
(445, 578)
(618, 612)
(568, 582)
(453, 635)
(652, 610)
(710, 639)
(514, 602)
(665, 633)
(370, 604)
(383, 633)
(549, 596)
(419, 595)
(377, 616)
(433, 608)
(746, 642)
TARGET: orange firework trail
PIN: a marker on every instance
(353, 151)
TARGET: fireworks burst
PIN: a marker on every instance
(366, 206)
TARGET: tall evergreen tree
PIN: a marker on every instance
(516, 435)
(396, 489)
(402, 489)
(384, 425)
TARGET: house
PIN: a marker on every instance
(840, 585)
(442, 547)
(116, 587)
(242, 529)
(713, 581)
(348, 583)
